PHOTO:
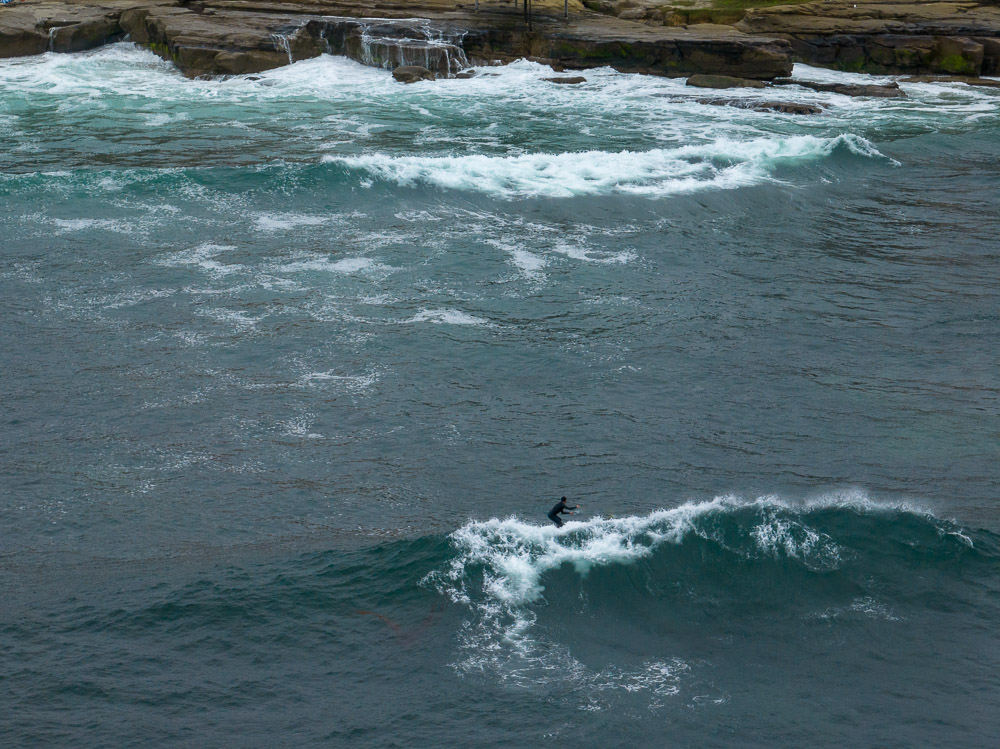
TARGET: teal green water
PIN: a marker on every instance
(295, 364)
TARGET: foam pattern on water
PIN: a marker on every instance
(506, 132)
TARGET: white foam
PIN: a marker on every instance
(274, 222)
(720, 164)
(134, 297)
(203, 256)
(448, 317)
(159, 119)
(528, 262)
(873, 609)
(612, 107)
(867, 606)
(780, 535)
(578, 252)
(300, 427)
(351, 383)
(345, 265)
(517, 554)
(83, 224)
(241, 321)
(498, 567)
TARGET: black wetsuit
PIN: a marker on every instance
(560, 507)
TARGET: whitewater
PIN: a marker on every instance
(294, 365)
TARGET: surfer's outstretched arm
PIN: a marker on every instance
(561, 508)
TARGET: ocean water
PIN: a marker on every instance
(293, 366)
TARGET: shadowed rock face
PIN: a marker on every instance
(392, 44)
(959, 37)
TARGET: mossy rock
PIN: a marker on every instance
(956, 65)
(674, 16)
(957, 56)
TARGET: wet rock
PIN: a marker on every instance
(466, 74)
(220, 43)
(219, 37)
(667, 51)
(886, 91)
(20, 33)
(873, 36)
(633, 14)
(957, 55)
(31, 29)
(412, 74)
(86, 34)
(389, 44)
(548, 62)
(722, 81)
(784, 107)
(569, 80)
(991, 56)
(985, 82)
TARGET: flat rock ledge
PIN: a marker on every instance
(571, 80)
(228, 37)
(701, 80)
(784, 107)
(882, 91)
(957, 38)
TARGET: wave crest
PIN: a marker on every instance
(514, 555)
(721, 164)
(833, 558)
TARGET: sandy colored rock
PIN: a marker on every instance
(209, 37)
(31, 28)
(231, 36)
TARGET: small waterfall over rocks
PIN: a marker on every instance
(281, 43)
(386, 43)
(298, 42)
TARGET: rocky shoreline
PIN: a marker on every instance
(227, 37)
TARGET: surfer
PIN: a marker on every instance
(561, 507)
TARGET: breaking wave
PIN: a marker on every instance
(722, 164)
(609, 610)
(840, 557)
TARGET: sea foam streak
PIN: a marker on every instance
(721, 164)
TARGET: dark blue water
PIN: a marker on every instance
(293, 368)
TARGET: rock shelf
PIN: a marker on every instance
(225, 37)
